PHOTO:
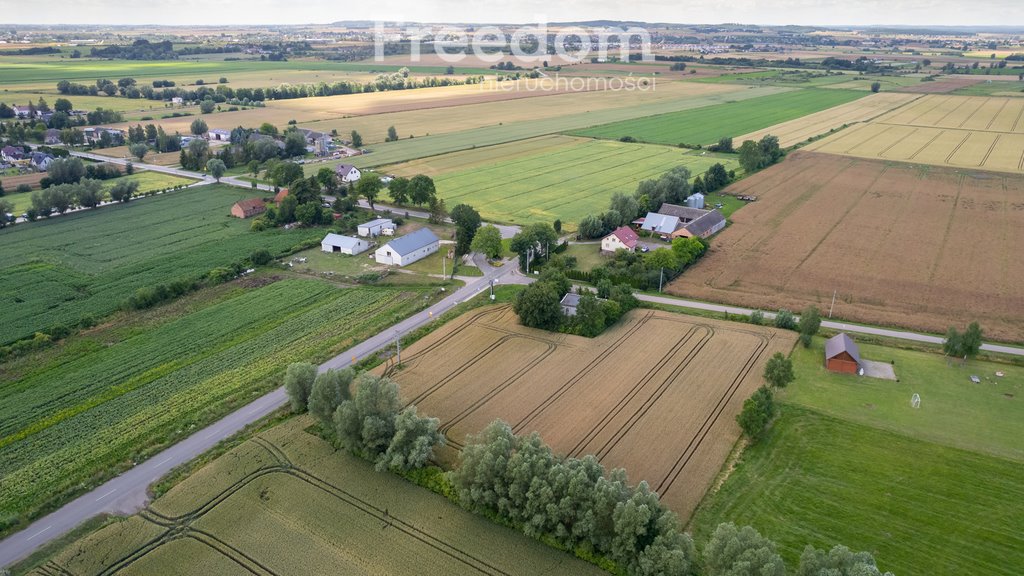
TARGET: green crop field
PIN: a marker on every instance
(932, 490)
(437, 144)
(287, 502)
(59, 271)
(71, 414)
(708, 125)
(567, 179)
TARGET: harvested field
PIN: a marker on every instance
(160, 159)
(287, 502)
(903, 245)
(652, 395)
(553, 106)
(963, 131)
(796, 131)
(941, 86)
(11, 183)
(550, 177)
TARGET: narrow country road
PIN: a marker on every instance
(126, 493)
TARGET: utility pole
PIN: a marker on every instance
(661, 279)
(833, 303)
(398, 348)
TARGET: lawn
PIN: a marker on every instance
(708, 125)
(922, 509)
(73, 414)
(588, 256)
(148, 182)
(363, 268)
(85, 264)
(563, 178)
(986, 417)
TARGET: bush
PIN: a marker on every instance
(757, 317)
(260, 257)
(23, 188)
(784, 319)
(757, 412)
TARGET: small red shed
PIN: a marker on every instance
(841, 354)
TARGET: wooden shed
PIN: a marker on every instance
(841, 354)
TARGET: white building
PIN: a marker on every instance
(344, 244)
(408, 249)
(347, 173)
(622, 238)
(378, 227)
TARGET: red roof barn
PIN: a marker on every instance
(841, 354)
(248, 208)
(280, 195)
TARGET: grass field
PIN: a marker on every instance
(550, 177)
(261, 507)
(70, 414)
(708, 125)
(501, 132)
(930, 491)
(1010, 89)
(650, 395)
(795, 131)
(87, 263)
(904, 245)
(148, 181)
(961, 131)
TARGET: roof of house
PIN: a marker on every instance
(571, 299)
(840, 343)
(280, 195)
(684, 213)
(39, 157)
(413, 241)
(13, 151)
(250, 205)
(662, 223)
(377, 222)
(702, 225)
(343, 241)
(626, 235)
(343, 168)
(220, 131)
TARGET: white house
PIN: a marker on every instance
(408, 249)
(622, 238)
(344, 244)
(347, 173)
(377, 227)
(21, 111)
(219, 135)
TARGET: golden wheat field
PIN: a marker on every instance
(656, 394)
(961, 131)
(287, 502)
(799, 130)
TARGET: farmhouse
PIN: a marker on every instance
(22, 111)
(377, 227)
(842, 354)
(408, 249)
(343, 244)
(248, 208)
(674, 221)
(12, 154)
(41, 161)
(281, 194)
(622, 238)
(347, 173)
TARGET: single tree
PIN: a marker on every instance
(810, 322)
(839, 561)
(421, 189)
(392, 135)
(357, 140)
(369, 186)
(784, 319)
(398, 189)
(876, 86)
(123, 190)
(779, 371)
(538, 306)
(298, 382)
(757, 412)
(216, 168)
(467, 221)
(139, 150)
(743, 551)
(199, 127)
(751, 157)
(487, 241)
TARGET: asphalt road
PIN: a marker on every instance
(126, 493)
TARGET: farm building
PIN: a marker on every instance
(569, 303)
(51, 136)
(377, 227)
(219, 135)
(842, 354)
(663, 224)
(343, 244)
(409, 248)
(248, 208)
(622, 238)
(675, 221)
(347, 173)
(13, 154)
(280, 195)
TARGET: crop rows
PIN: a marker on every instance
(58, 272)
(93, 412)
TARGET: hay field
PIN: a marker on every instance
(541, 179)
(461, 115)
(799, 130)
(286, 502)
(656, 394)
(961, 131)
(905, 245)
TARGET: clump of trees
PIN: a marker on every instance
(757, 155)
(539, 304)
(487, 241)
(574, 502)
(964, 344)
(370, 423)
(759, 409)
(467, 221)
(810, 322)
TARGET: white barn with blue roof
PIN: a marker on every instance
(408, 249)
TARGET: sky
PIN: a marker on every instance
(806, 12)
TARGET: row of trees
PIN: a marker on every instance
(370, 423)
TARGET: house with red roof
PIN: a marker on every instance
(622, 238)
